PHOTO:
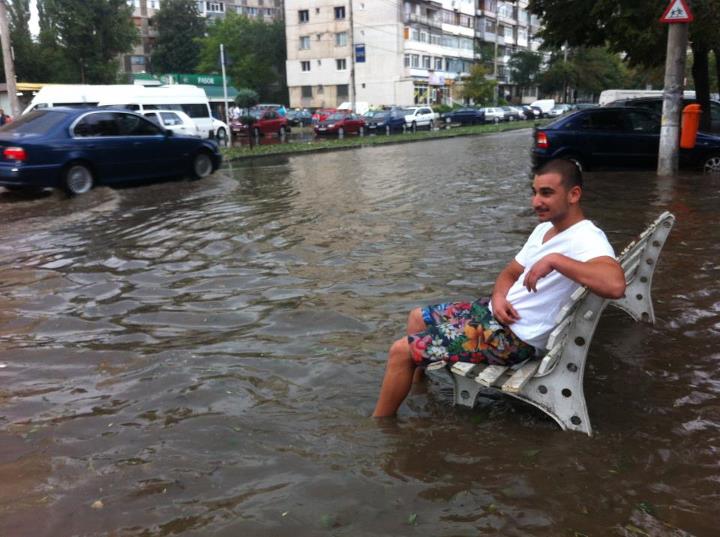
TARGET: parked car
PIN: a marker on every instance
(341, 123)
(545, 105)
(655, 104)
(173, 120)
(220, 130)
(420, 116)
(465, 116)
(75, 149)
(299, 118)
(616, 137)
(260, 121)
(321, 114)
(558, 110)
(388, 121)
(530, 113)
(494, 114)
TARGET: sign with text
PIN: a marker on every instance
(360, 53)
(677, 11)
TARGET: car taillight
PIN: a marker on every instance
(541, 140)
(14, 153)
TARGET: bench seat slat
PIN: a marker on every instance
(521, 377)
(490, 375)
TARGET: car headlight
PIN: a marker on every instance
(331, 125)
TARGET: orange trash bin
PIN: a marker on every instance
(690, 123)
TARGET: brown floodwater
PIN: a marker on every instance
(201, 358)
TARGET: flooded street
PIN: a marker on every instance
(201, 358)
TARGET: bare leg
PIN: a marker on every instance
(397, 380)
(416, 324)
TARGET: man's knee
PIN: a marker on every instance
(416, 322)
(400, 353)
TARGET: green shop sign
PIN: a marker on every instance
(195, 80)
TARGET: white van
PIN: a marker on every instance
(545, 105)
(184, 97)
(611, 95)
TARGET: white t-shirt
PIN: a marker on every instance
(537, 310)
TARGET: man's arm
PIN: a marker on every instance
(502, 309)
(602, 275)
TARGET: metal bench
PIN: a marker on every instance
(554, 383)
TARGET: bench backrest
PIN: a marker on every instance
(638, 261)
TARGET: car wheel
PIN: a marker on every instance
(575, 160)
(283, 131)
(341, 132)
(256, 132)
(202, 165)
(78, 179)
(387, 130)
(413, 126)
(711, 164)
(361, 131)
(221, 135)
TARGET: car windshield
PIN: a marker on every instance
(381, 114)
(336, 116)
(36, 122)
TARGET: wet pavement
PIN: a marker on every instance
(201, 358)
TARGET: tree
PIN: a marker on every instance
(91, 34)
(524, 68)
(246, 98)
(477, 86)
(180, 30)
(256, 50)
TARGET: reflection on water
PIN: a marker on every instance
(201, 357)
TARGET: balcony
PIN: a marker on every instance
(433, 22)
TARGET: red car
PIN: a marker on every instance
(321, 114)
(341, 123)
(264, 121)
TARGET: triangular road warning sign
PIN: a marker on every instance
(677, 11)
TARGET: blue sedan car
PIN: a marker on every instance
(608, 137)
(76, 149)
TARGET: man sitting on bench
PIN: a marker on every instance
(565, 251)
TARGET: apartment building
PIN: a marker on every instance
(406, 51)
(143, 10)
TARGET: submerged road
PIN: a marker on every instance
(201, 358)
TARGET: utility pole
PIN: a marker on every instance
(8, 61)
(678, 16)
(353, 95)
(227, 114)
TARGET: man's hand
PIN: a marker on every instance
(503, 311)
(539, 270)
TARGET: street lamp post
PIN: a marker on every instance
(8, 61)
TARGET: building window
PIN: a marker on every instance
(426, 62)
(306, 92)
(303, 15)
(320, 89)
(305, 66)
(438, 64)
(340, 12)
(341, 64)
(215, 7)
(341, 39)
(342, 91)
(407, 60)
(137, 60)
(415, 60)
(304, 42)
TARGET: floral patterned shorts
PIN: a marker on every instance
(466, 332)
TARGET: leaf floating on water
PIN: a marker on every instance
(327, 521)
(531, 453)
(412, 519)
(647, 507)
(492, 508)
(578, 534)
(97, 504)
(285, 514)
(634, 529)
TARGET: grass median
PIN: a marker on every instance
(331, 143)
